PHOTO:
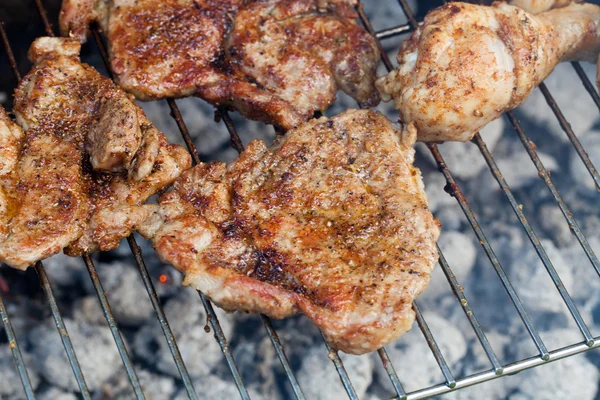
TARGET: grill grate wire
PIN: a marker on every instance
(450, 383)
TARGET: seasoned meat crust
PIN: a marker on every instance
(331, 221)
(304, 51)
(87, 161)
(175, 48)
(467, 64)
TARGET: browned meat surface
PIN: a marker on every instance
(304, 50)
(467, 64)
(11, 142)
(331, 221)
(89, 159)
(538, 6)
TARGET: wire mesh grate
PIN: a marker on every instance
(451, 382)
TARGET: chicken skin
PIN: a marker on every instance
(175, 48)
(88, 160)
(331, 221)
(538, 6)
(467, 64)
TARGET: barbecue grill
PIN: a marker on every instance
(451, 381)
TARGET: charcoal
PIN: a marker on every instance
(565, 86)
(195, 339)
(125, 290)
(154, 386)
(460, 252)
(53, 393)
(94, 347)
(10, 383)
(464, 159)
(413, 359)
(579, 172)
(318, 378)
(212, 387)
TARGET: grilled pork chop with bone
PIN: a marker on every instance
(331, 221)
(285, 59)
(86, 162)
(467, 64)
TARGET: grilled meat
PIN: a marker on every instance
(304, 51)
(11, 142)
(331, 221)
(538, 6)
(89, 159)
(467, 64)
(175, 48)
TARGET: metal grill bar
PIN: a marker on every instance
(114, 329)
(545, 175)
(455, 191)
(282, 357)
(220, 337)
(532, 237)
(566, 127)
(62, 330)
(449, 275)
(339, 366)
(162, 318)
(391, 32)
(212, 317)
(586, 83)
(460, 295)
(391, 371)
(435, 349)
(509, 369)
(438, 389)
(237, 144)
(44, 281)
(16, 351)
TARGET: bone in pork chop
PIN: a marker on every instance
(86, 162)
(331, 221)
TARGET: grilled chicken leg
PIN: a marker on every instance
(467, 64)
(88, 160)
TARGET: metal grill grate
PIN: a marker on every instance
(497, 369)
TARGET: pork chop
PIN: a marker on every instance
(89, 159)
(331, 221)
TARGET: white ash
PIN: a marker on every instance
(532, 282)
(436, 195)
(319, 379)
(154, 386)
(54, 393)
(460, 253)
(591, 143)
(416, 366)
(65, 271)
(94, 346)
(553, 223)
(519, 171)
(258, 364)
(570, 95)
(574, 377)
(187, 319)
(88, 309)
(464, 159)
(212, 387)
(125, 291)
(10, 382)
